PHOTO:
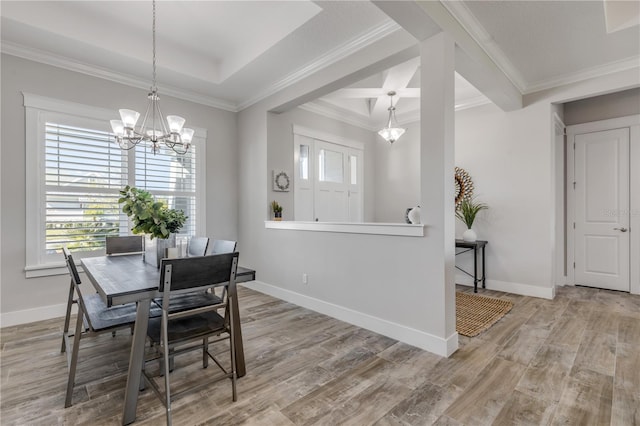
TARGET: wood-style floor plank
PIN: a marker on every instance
(571, 360)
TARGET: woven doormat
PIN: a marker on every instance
(475, 314)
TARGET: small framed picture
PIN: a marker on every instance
(281, 181)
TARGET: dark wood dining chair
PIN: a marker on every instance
(94, 318)
(124, 245)
(114, 245)
(175, 333)
(197, 246)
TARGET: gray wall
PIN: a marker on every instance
(613, 105)
(280, 153)
(19, 293)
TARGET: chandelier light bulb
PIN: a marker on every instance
(118, 127)
(187, 135)
(129, 117)
(391, 133)
(175, 123)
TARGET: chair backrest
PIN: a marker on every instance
(71, 265)
(198, 246)
(125, 245)
(75, 281)
(223, 246)
(190, 273)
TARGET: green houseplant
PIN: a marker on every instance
(277, 210)
(467, 213)
(152, 218)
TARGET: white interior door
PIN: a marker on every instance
(602, 209)
(332, 192)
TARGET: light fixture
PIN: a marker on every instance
(153, 129)
(391, 134)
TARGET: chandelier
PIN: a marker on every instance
(389, 133)
(153, 129)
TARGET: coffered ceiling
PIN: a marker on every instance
(231, 54)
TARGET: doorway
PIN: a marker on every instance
(600, 187)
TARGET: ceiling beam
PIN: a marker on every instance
(396, 78)
(373, 92)
(472, 62)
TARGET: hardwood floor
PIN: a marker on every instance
(573, 360)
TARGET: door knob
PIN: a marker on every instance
(620, 229)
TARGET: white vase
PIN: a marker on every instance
(155, 250)
(469, 235)
(414, 215)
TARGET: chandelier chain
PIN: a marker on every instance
(153, 31)
(170, 132)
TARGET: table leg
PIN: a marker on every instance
(475, 269)
(136, 360)
(241, 369)
(484, 273)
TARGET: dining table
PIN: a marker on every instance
(127, 279)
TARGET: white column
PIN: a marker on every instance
(437, 153)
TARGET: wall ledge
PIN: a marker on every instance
(399, 229)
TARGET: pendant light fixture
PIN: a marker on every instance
(153, 129)
(389, 133)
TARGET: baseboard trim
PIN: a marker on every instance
(408, 335)
(8, 319)
(510, 287)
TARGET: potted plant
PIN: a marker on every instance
(467, 212)
(277, 210)
(154, 219)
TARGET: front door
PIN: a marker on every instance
(602, 209)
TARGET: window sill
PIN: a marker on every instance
(399, 229)
(48, 270)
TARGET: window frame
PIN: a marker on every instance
(39, 110)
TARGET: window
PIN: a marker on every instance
(75, 171)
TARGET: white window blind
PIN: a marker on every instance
(171, 178)
(84, 172)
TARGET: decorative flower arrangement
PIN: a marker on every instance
(468, 211)
(149, 216)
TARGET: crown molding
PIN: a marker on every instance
(597, 71)
(475, 29)
(334, 55)
(473, 102)
(121, 78)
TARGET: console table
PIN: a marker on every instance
(476, 246)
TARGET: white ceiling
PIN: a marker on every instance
(230, 54)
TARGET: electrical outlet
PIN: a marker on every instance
(305, 279)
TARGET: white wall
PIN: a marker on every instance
(508, 156)
(397, 177)
(280, 152)
(46, 296)
(613, 105)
